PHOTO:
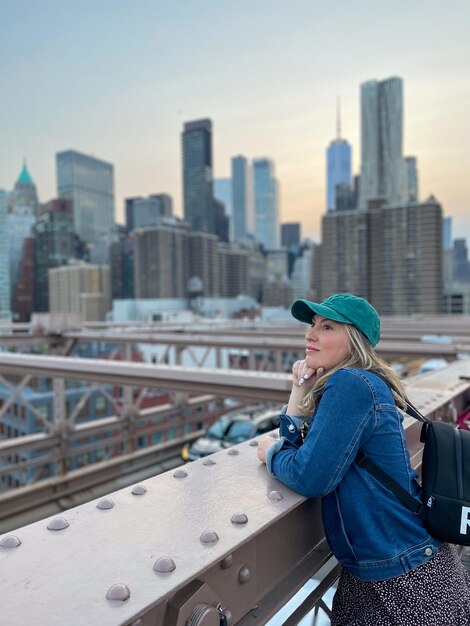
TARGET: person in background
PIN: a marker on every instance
(393, 571)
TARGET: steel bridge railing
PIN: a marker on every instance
(218, 534)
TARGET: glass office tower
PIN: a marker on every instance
(338, 159)
(266, 204)
(89, 183)
(5, 302)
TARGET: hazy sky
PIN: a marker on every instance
(117, 79)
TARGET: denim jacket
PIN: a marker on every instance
(371, 533)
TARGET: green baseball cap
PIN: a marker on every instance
(345, 308)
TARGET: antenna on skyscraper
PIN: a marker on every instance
(338, 118)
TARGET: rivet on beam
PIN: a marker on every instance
(239, 518)
(104, 504)
(139, 490)
(208, 462)
(10, 541)
(118, 592)
(180, 473)
(227, 562)
(164, 565)
(244, 574)
(58, 523)
(209, 536)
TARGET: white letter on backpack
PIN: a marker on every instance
(464, 520)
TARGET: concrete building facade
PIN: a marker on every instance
(161, 260)
(204, 262)
(80, 288)
(233, 271)
(391, 255)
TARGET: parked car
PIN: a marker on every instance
(232, 428)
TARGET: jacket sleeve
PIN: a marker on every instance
(290, 434)
(344, 420)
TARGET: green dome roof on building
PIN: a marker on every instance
(25, 177)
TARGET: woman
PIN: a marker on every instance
(393, 571)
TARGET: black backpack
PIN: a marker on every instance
(445, 472)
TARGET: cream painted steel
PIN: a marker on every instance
(58, 448)
(230, 383)
(182, 525)
(218, 531)
(256, 341)
(78, 483)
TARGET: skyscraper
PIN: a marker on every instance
(197, 175)
(142, 212)
(266, 204)
(89, 183)
(80, 288)
(338, 159)
(54, 245)
(221, 221)
(290, 234)
(223, 193)
(411, 180)
(391, 255)
(161, 260)
(242, 198)
(382, 164)
(461, 264)
(20, 222)
(24, 194)
(204, 262)
(5, 306)
(122, 267)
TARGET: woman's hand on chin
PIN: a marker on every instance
(303, 375)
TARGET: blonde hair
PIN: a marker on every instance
(363, 356)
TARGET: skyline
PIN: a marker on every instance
(118, 81)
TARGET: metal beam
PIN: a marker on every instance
(229, 383)
(279, 342)
(201, 535)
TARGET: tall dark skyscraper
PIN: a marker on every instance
(197, 176)
(290, 234)
(55, 243)
(382, 164)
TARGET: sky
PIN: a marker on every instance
(117, 79)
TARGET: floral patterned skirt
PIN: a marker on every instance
(436, 593)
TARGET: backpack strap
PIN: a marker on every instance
(362, 460)
(410, 408)
(402, 494)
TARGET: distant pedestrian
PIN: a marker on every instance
(393, 573)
